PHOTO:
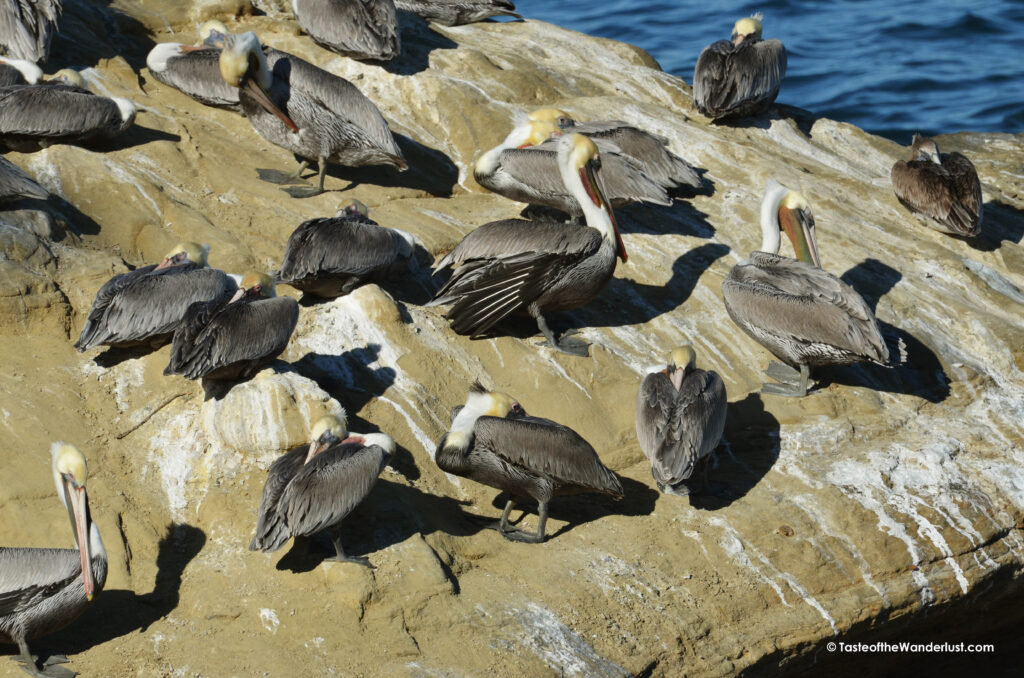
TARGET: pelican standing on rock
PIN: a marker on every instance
(525, 167)
(330, 257)
(42, 590)
(942, 186)
(15, 184)
(308, 111)
(517, 266)
(359, 29)
(146, 305)
(494, 442)
(312, 488)
(458, 12)
(740, 77)
(26, 28)
(805, 316)
(649, 151)
(194, 70)
(233, 338)
(680, 417)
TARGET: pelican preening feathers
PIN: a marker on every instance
(306, 110)
(494, 442)
(680, 417)
(533, 267)
(941, 186)
(805, 316)
(312, 488)
(739, 77)
(42, 590)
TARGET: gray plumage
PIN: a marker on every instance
(36, 116)
(942, 186)
(193, 73)
(677, 429)
(18, 72)
(15, 184)
(738, 80)
(457, 12)
(26, 27)
(146, 305)
(649, 151)
(805, 316)
(301, 499)
(232, 340)
(360, 29)
(330, 257)
(531, 175)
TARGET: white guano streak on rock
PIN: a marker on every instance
(269, 619)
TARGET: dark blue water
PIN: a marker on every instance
(888, 66)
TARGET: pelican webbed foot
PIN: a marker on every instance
(576, 347)
(341, 557)
(517, 534)
(50, 667)
(282, 178)
(302, 191)
(792, 382)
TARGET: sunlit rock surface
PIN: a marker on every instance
(885, 501)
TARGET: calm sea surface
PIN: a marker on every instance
(890, 67)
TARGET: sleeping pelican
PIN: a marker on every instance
(194, 70)
(520, 169)
(308, 111)
(43, 590)
(330, 257)
(312, 488)
(367, 29)
(458, 12)
(19, 72)
(680, 417)
(146, 305)
(649, 151)
(493, 441)
(741, 77)
(517, 266)
(943, 186)
(234, 338)
(37, 116)
(26, 28)
(805, 316)
(15, 184)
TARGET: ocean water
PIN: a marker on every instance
(891, 67)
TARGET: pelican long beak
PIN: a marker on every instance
(77, 502)
(320, 444)
(164, 263)
(676, 376)
(261, 96)
(799, 226)
(239, 293)
(239, 69)
(595, 189)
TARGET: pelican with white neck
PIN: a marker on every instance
(805, 316)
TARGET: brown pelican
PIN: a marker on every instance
(19, 72)
(360, 29)
(739, 77)
(649, 151)
(306, 110)
(493, 441)
(680, 417)
(805, 316)
(520, 170)
(36, 116)
(194, 70)
(330, 257)
(43, 590)
(943, 186)
(146, 305)
(458, 12)
(312, 488)
(234, 338)
(15, 184)
(26, 27)
(533, 267)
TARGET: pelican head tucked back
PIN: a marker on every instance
(747, 28)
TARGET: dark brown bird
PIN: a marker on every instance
(493, 441)
(458, 12)
(942, 186)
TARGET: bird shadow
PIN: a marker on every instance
(418, 41)
(680, 218)
(921, 375)
(750, 447)
(117, 613)
(115, 355)
(349, 376)
(1000, 222)
(136, 135)
(430, 170)
(627, 302)
(803, 119)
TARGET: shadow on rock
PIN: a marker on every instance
(680, 218)
(117, 613)
(136, 135)
(350, 376)
(418, 41)
(90, 32)
(749, 449)
(627, 302)
(115, 355)
(430, 170)
(1000, 222)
